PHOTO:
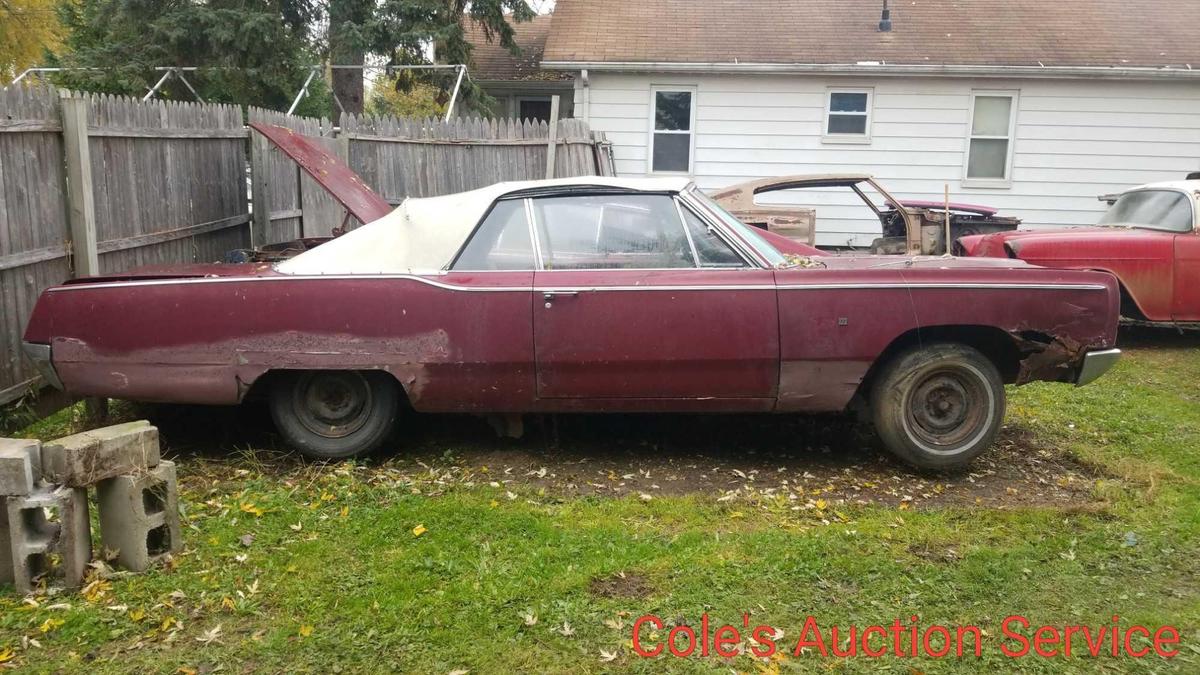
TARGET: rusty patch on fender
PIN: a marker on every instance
(1054, 360)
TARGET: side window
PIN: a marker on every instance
(611, 232)
(501, 242)
(711, 250)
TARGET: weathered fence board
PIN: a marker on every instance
(154, 195)
(33, 221)
(423, 158)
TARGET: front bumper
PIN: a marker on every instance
(1096, 364)
(39, 354)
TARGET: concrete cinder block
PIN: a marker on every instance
(20, 465)
(139, 516)
(93, 456)
(34, 537)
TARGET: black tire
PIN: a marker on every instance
(333, 414)
(938, 406)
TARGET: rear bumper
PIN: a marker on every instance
(1096, 364)
(39, 354)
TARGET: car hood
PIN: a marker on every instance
(1000, 244)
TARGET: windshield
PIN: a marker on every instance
(1168, 210)
(749, 234)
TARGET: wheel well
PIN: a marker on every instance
(998, 346)
(1129, 306)
(261, 386)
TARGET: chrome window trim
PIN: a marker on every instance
(724, 236)
(674, 200)
(425, 279)
(745, 248)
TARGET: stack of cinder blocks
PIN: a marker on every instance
(136, 495)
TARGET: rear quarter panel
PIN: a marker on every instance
(834, 324)
(206, 341)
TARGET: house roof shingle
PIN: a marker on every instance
(1051, 33)
(491, 61)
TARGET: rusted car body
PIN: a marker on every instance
(910, 227)
(1149, 239)
(581, 295)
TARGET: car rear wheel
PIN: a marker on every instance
(334, 414)
(938, 406)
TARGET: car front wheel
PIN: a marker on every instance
(938, 406)
(334, 414)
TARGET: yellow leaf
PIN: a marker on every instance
(137, 615)
(6, 654)
(494, 503)
(184, 670)
(345, 511)
(50, 624)
(903, 506)
(251, 508)
(306, 630)
(327, 497)
(821, 504)
(227, 603)
(419, 530)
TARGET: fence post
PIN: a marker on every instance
(80, 200)
(552, 144)
(259, 189)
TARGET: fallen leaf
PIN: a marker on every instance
(210, 636)
(530, 618)
(460, 671)
(297, 527)
(252, 509)
(306, 630)
(606, 657)
(7, 654)
(345, 511)
(566, 630)
(419, 530)
(246, 540)
(50, 624)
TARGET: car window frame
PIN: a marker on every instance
(749, 262)
(1188, 198)
(479, 225)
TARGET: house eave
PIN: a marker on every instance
(884, 69)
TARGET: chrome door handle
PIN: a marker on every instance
(550, 295)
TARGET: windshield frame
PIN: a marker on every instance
(767, 255)
(1189, 198)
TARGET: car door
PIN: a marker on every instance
(638, 297)
(1185, 305)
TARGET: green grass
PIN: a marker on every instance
(336, 579)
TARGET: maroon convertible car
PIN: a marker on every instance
(574, 295)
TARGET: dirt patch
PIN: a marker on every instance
(622, 585)
(804, 459)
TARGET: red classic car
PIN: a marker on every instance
(581, 295)
(1149, 239)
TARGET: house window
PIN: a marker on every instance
(537, 109)
(673, 116)
(990, 149)
(848, 116)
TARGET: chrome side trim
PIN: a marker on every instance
(949, 285)
(39, 354)
(1096, 364)
(515, 289)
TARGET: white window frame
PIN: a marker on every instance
(1006, 181)
(691, 132)
(864, 137)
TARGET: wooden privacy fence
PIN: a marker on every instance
(400, 157)
(94, 184)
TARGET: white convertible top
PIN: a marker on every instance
(423, 235)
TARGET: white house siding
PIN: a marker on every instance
(1075, 140)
